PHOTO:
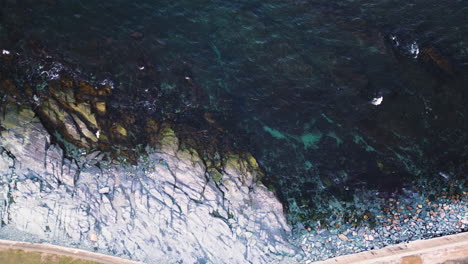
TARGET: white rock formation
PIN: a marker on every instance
(165, 210)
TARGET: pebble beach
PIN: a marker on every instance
(406, 218)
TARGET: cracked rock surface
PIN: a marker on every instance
(164, 210)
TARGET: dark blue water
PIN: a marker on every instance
(292, 81)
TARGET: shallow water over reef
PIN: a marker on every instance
(290, 81)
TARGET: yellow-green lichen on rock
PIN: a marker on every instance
(69, 107)
(84, 110)
(68, 125)
(84, 129)
(167, 140)
(16, 117)
(52, 112)
(189, 154)
(100, 107)
(70, 129)
(245, 164)
(119, 131)
(215, 174)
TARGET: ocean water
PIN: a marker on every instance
(331, 97)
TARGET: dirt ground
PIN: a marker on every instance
(15, 256)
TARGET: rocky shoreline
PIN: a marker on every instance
(398, 220)
(168, 201)
(74, 172)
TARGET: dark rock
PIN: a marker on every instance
(137, 35)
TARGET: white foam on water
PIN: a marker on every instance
(414, 50)
(377, 100)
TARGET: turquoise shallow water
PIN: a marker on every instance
(292, 80)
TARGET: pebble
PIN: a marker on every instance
(343, 237)
(93, 237)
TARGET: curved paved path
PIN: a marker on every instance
(64, 251)
(452, 249)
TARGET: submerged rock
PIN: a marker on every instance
(164, 210)
(137, 35)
